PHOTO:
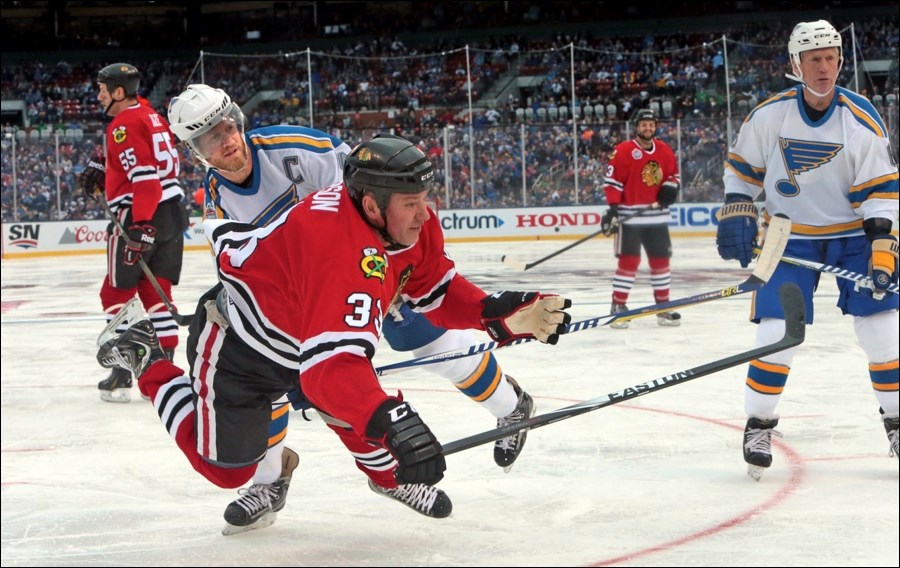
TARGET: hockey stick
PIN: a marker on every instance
(794, 333)
(776, 239)
(518, 265)
(861, 280)
(179, 319)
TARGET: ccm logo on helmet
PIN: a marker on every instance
(209, 116)
(427, 176)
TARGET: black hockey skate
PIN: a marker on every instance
(668, 319)
(258, 505)
(758, 445)
(133, 351)
(506, 450)
(424, 499)
(891, 426)
(618, 309)
(116, 387)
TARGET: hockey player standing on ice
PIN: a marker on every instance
(139, 178)
(642, 173)
(255, 176)
(316, 309)
(822, 155)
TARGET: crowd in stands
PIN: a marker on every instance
(421, 90)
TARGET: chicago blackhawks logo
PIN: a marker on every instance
(651, 174)
(364, 155)
(119, 134)
(373, 264)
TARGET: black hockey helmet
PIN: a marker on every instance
(122, 75)
(644, 114)
(385, 165)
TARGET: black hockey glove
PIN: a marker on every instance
(508, 316)
(668, 192)
(93, 178)
(736, 235)
(141, 237)
(609, 223)
(420, 458)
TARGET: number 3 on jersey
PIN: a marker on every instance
(361, 312)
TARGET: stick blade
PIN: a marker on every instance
(794, 308)
(777, 235)
(513, 263)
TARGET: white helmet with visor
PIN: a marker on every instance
(195, 114)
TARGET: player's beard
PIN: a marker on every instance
(646, 140)
(237, 161)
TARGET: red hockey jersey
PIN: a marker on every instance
(141, 162)
(634, 175)
(311, 289)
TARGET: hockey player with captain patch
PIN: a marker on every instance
(821, 154)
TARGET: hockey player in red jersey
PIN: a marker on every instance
(317, 311)
(253, 177)
(641, 182)
(139, 179)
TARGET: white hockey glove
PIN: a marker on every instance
(508, 316)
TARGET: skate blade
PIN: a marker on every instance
(755, 471)
(116, 395)
(128, 314)
(668, 323)
(266, 520)
(619, 325)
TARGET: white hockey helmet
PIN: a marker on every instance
(196, 111)
(813, 35)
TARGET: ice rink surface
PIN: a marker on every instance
(655, 481)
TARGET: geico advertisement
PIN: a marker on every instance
(560, 221)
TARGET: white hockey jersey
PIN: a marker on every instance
(289, 163)
(828, 175)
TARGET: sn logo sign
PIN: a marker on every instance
(25, 236)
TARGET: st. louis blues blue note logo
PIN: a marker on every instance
(801, 156)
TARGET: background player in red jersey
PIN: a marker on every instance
(139, 179)
(641, 182)
(317, 311)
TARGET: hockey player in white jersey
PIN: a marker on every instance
(254, 177)
(821, 154)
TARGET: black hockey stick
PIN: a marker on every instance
(179, 319)
(862, 280)
(794, 333)
(776, 239)
(518, 265)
